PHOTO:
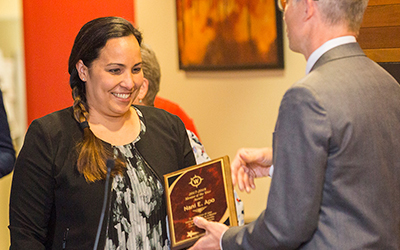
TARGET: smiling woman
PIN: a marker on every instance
(62, 167)
(112, 84)
(94, 76)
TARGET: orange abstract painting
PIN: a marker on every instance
(229, 34)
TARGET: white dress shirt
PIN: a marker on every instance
(325, 47)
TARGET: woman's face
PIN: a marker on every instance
(115, 77)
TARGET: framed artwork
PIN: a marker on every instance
(229, 34)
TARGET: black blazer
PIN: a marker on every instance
(51, 202)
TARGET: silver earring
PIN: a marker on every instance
(140, 100)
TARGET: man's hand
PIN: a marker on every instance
(250, 163)
(211, 240)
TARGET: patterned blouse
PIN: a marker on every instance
(137, 217)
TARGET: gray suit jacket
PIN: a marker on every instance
(336, 182)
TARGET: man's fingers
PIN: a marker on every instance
(251, 183)
(240, 176)
(247, 181)
(214, 231)
(233, 179)
(235, 167)
(200, 222)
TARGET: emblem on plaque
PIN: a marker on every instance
(196, 181)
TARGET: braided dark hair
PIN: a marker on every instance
(93, 36)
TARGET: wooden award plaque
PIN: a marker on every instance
(202, 190)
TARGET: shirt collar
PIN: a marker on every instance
(325, 47)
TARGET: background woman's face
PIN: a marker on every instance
(115, 77)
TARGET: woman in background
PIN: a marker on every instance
(58, 185)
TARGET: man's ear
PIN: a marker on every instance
(309, 8)
(143, 89)
(82, 70)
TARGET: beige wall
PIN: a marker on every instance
(230, 109)
(5, 184)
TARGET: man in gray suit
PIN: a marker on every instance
(336, 147)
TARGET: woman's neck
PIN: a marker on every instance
(118, 130)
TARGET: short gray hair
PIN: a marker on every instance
(152, 72)
(350, 12)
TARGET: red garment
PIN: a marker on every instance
(175, 109)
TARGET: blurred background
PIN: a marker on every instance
(231, 109)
